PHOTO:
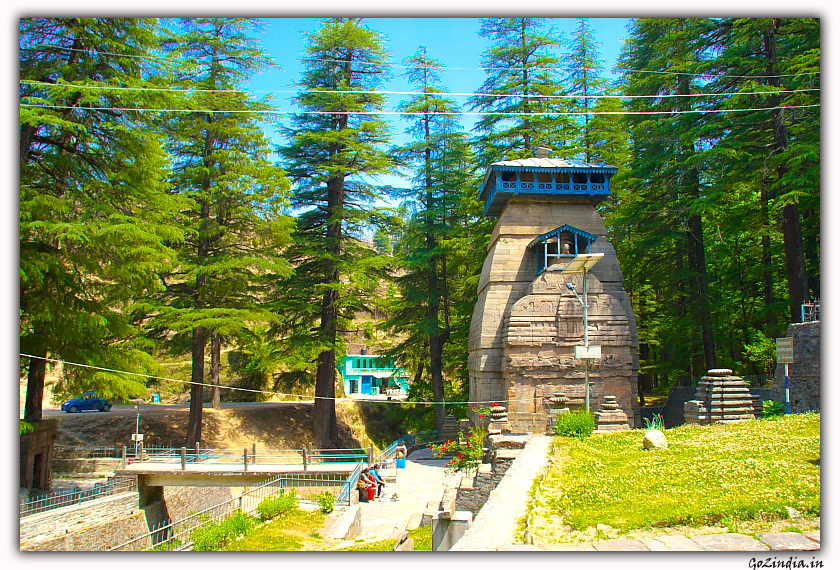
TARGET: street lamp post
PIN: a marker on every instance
(582, 263)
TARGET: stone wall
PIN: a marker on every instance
(103, 523)
(524, 327)
(37, 449)
(804, 372)
(85, 466)
(474, 490)
(92, 525)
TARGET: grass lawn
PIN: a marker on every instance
(752, 470)
(301, 530)
(296, 530)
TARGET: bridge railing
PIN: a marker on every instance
(244, 457)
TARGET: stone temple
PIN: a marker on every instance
(526, 321)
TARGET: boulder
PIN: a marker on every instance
(655, 439)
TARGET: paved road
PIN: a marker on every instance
(129, 411)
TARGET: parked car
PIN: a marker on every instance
(87, 401)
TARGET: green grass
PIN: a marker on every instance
(294, 530)
(750, 470)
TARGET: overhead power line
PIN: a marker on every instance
(431, 113)
(446, 68)
(433, 93)
(234, 388)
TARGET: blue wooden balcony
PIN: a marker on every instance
(536, 178)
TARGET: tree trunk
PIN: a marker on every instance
(197, 389)
(324, 420)
(215, 370)
(791, 228)
(35, 388)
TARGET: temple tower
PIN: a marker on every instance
(527, 321)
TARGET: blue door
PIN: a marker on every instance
(366, 385)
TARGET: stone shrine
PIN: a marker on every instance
(610, 417)
(527, 321)
(720, 398)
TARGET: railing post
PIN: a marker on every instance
(304, 459)
(124, 458)
(253, 453)
(197, 451)
(245, 458)
(370, 455)
(183, 459)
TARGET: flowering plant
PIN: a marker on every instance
(467, 456)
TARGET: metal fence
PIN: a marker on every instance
(177, 535)
(811, 311)
(48, 501)
(94, 452)
(344, 496)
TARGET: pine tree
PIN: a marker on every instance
(584, 77)
(221, 164)
(436, 158)
(522, 77)
(94, 210)
(335, 142)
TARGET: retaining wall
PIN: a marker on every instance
(804, 372)
(92, 525)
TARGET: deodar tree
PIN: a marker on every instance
(94, 211)
(336, 145)
(236, 195)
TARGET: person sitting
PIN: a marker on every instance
(377, 479)
(366, 486)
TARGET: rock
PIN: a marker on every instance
(655, 439)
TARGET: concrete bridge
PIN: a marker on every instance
(230, 474)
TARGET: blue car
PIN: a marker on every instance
(87, 401)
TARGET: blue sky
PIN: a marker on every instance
(453, 41)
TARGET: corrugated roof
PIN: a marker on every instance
(546, 163)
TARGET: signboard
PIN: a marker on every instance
(588, 352)
(784, 350)
(137, 437)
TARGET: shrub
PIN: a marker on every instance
(655, 423)
(216, 536)
(773, 409)
(25, 427)
(575, 424)
(326, 501)
(275, 506)
(468, 456)
(211, 537)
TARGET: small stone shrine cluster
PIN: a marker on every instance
(528, 318)
(610, 417)
(720, 398)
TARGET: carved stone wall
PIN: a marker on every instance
(524, 327)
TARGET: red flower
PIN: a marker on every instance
(474, 408)
(495, 403)
(481, 417)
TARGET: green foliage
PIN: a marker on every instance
(761, 351)
(271, 507)
(26, 427)
(773, 465)
(575, 424)
(96, 218)
(326, 501)
(655, 423)
(773, 409)
(522, 60)
(215, 536)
